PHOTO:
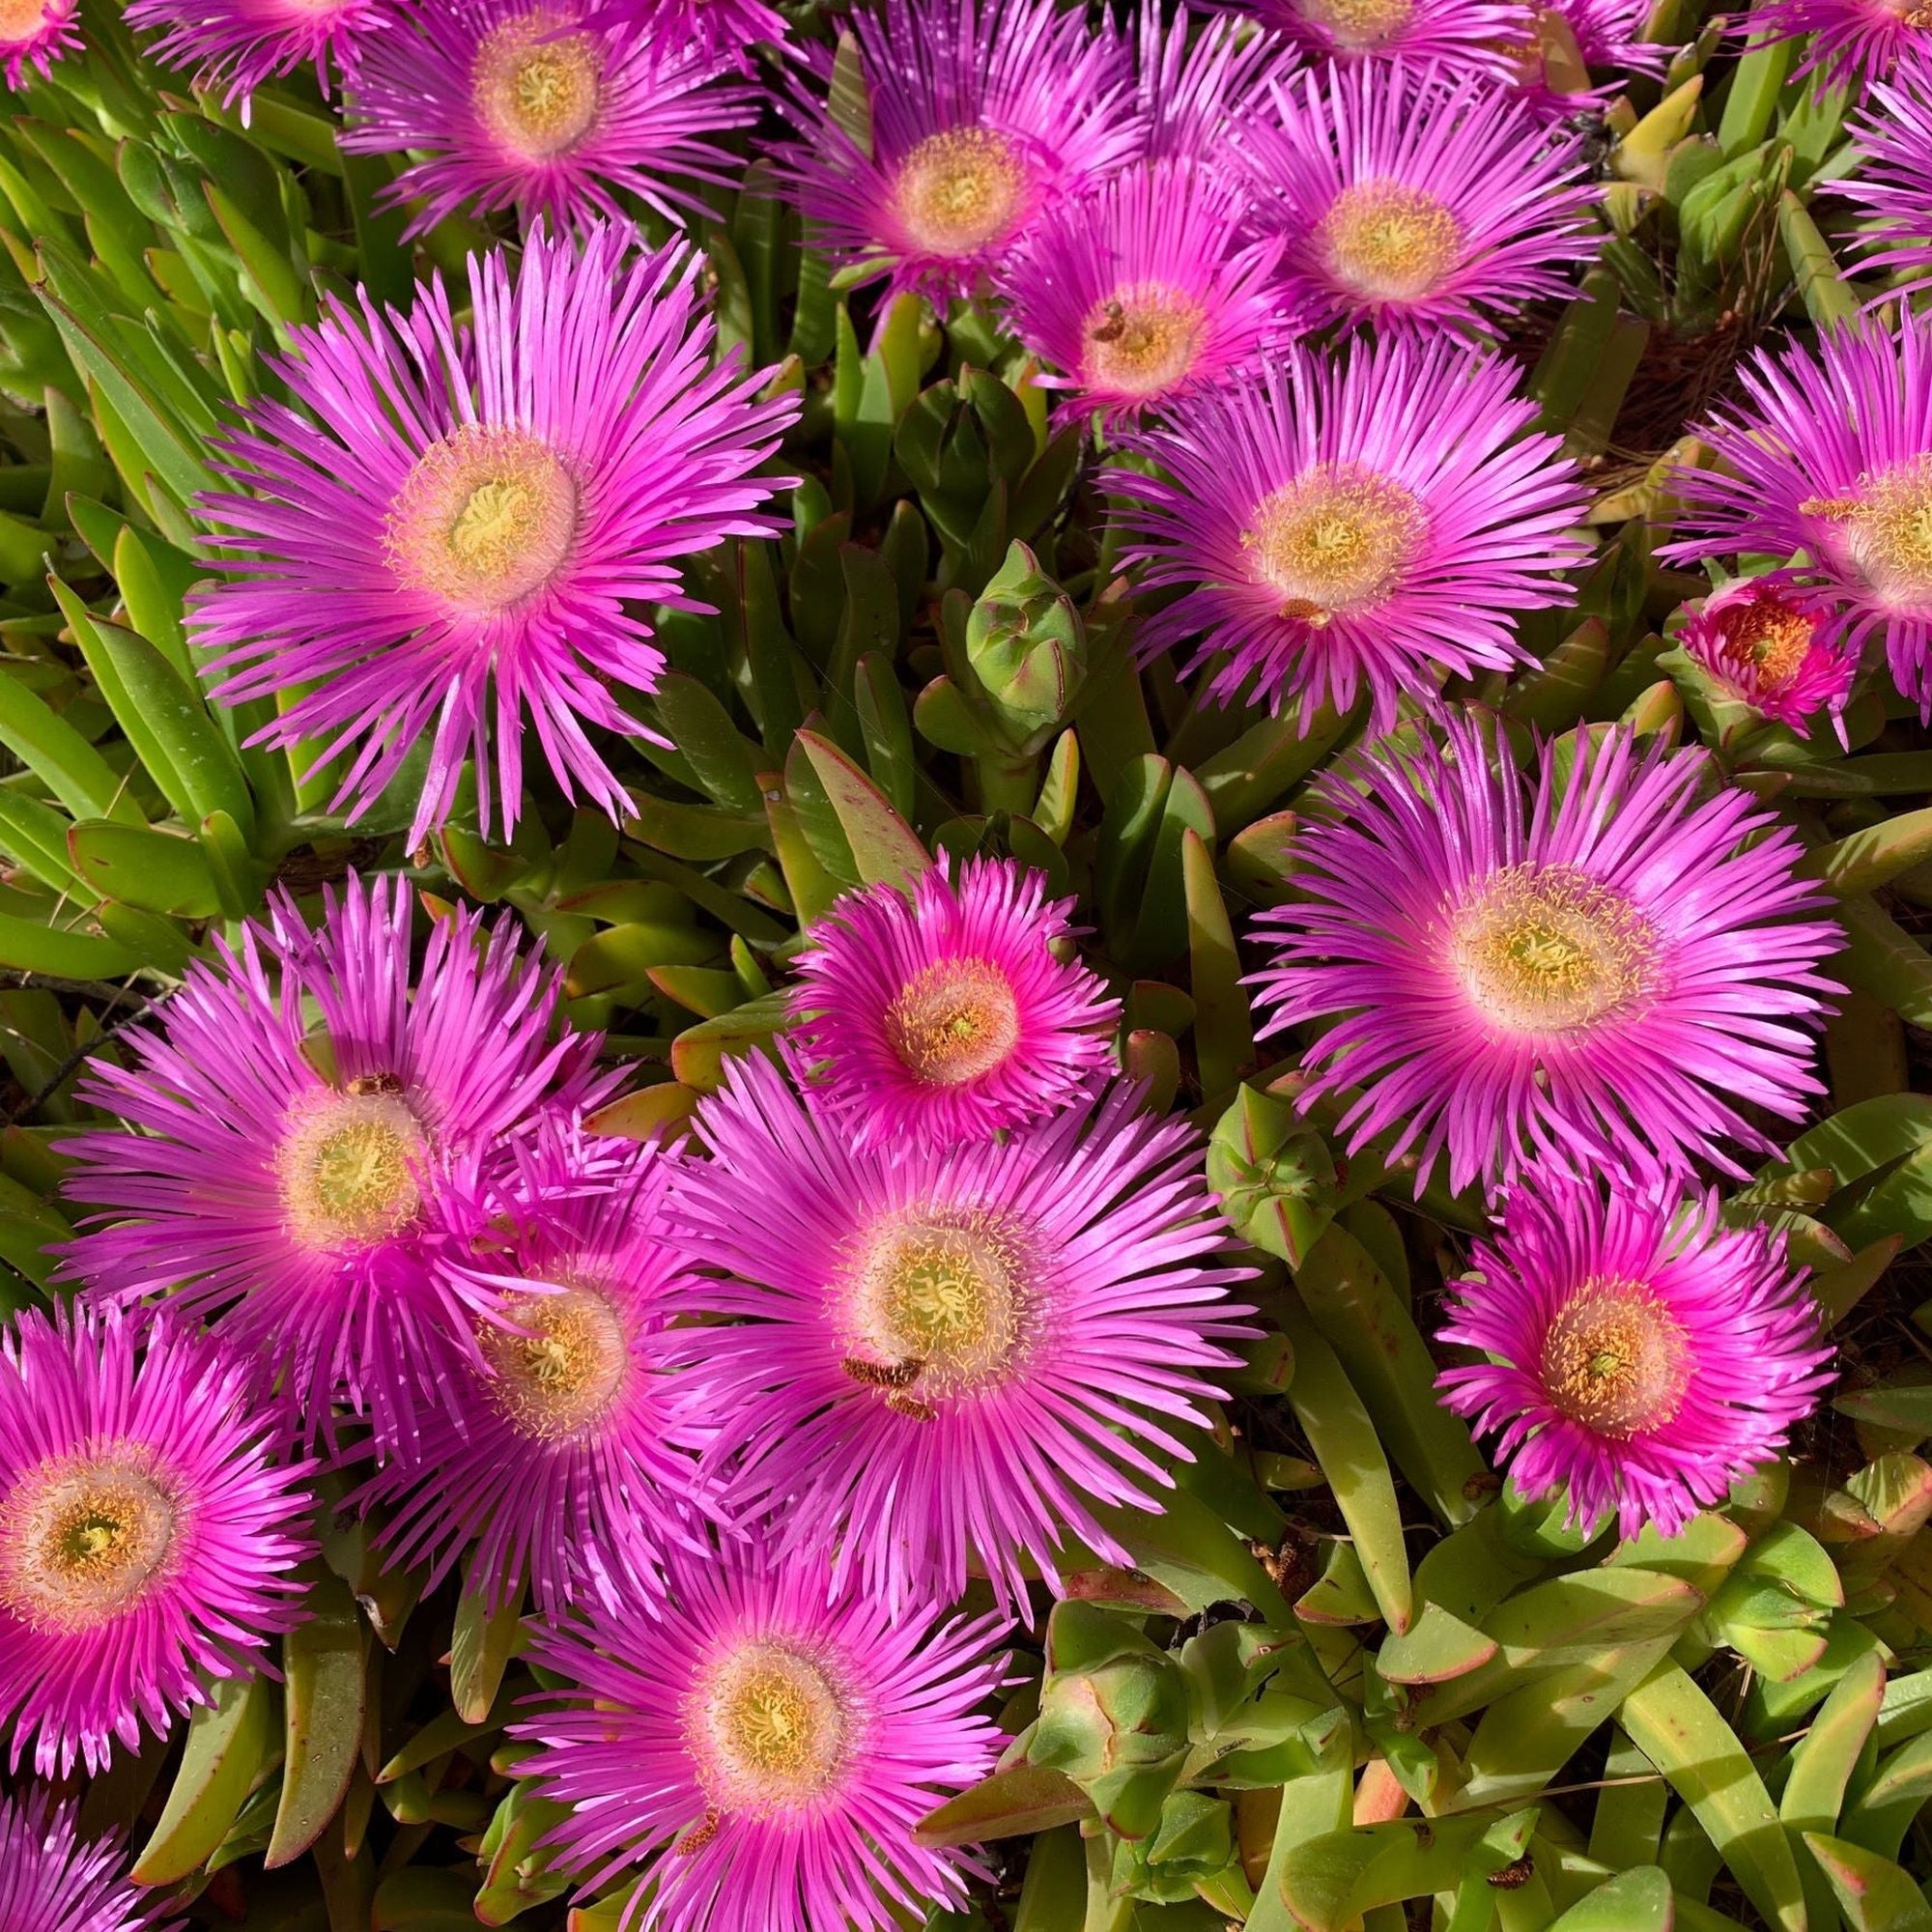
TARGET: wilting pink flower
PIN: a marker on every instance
(1472, 37)
(35, 34)
(1850, 40)
(53, 1880)
(1894, 182)
(762, 1744)
(1597, 964)
(452, 529)
(286, 1178)
(951, 1013)
(558, 1457)
(237, 45)
(1775, 646)
(1363, 523)
(1409, 195)
(983, 114)
(556, 107)
(146, 1536)
(1642, 1354)
(1148, 288)
(1831, 454)
(937, 1355)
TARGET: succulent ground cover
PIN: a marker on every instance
(965, 965)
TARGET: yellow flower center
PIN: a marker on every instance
(960, 190)
(1389, 242)
(560, 1368)
(537, 85)
(1546, 949)
(1357, 24)
(348, 1167)
(768, 1730)
(80, 1539)
(1141, 341)
(954, 1022)
(1616, 1359)
(1334, 541)
(484, 519)
(1888, 529)
(938, 1304)
(1772, 639)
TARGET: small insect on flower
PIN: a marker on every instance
(763, 1741)
(1364, 523)
(452, 529)
(1773, 645)
(947, 1014)
(1148, 288)
(1469, 37)
(1850, 40)
(54, 1879)
(1894, 182)
(558, 1462)
(1643, 1355)
(983, 114)
(1595, 964)
(1410, 196)
(35, 34)
(936, 1355)
(1830, 454)
(147, 1536)
(238, 45)
(287, 1181)
(560, 108)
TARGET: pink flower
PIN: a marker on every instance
(1642, 1354)
(1775, 646)
(1471, 36)
(238, 45)
(53, 1880)
(951, 1013)
(1850, 40)
(35, 34)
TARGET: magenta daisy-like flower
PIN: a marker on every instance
(938, 1354)
(762, 1744)
(559, 1458)
(1473, 36)
(983, 113)
(1148, 288)
(1641, 1353)
(54, 1879)
(1771, 645)
(1831, 454)
(1408, 196)
(556, 107)
(1893, 180)
(951, 1014)
(147, 1536)
(454, 529)
(1597, 964)
(1199, 82)
(285, 1179)
(35, 34)
(238, 45)
(1361, 522)
(725, 30)
(1851, 40)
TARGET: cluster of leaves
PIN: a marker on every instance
(1351, 1671)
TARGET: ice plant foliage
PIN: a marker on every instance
(1643, 1355)
(937, 1355)
(1148, 288)
(762, 1742)
(34, 34)
(453, 530)
(949, 1013)
(1349, 525)
(54, 1879)
(1594, 964)
(1773, 645)
(983, 114)
(1894, 182)
(560, 108)
(1471, 36)
(147, 1535)
(286, 1175)
(1830, 454)
(558, 1462)
(1409, 195)
(237, 45)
